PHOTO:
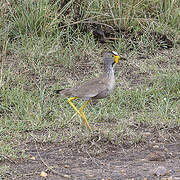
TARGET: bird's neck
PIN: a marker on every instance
(108, 69)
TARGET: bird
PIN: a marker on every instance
(96, 88)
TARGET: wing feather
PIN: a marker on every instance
(90, 88)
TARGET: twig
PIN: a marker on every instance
(49, 168)
(85, 21)
(30, 174)
(72, 117)
(5, 157)
(92, 158)
(109, 4)
(2, 60)
(82, 21)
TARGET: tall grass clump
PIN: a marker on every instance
(30, 18)
(41, 17)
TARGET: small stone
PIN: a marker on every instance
(43, 174)
(67, 166)
(146, 134)
(67, 176)
(160, 171)
(90, 175)
(155, 146)
(156, 156)
(33, 158)
(123, 172)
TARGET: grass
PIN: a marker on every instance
(42, 46)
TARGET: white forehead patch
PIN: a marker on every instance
(115, 53)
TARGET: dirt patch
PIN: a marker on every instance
(80, 160)
(78, 72)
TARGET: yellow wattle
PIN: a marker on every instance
(116, 59)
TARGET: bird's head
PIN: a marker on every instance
(112, 57)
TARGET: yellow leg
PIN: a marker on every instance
(69, 100)
(81, 115)
(84, 117)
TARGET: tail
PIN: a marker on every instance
(64, 92)
(58, 91)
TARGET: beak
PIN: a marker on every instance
(116, 59)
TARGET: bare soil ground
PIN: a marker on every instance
(157, 155)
